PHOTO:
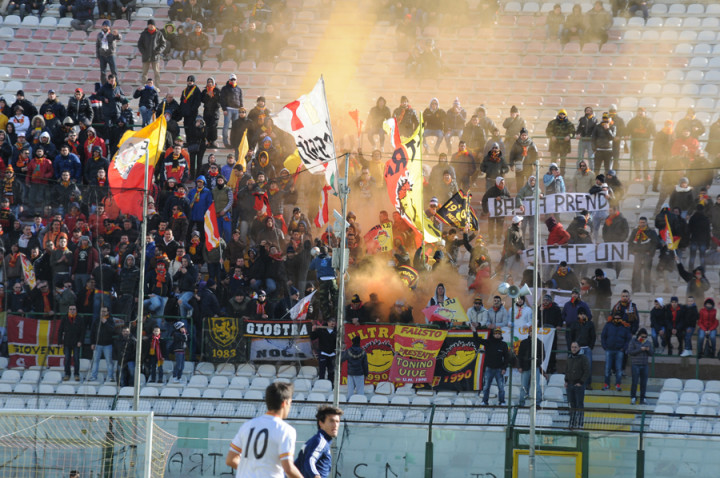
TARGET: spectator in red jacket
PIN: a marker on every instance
(558, 235)
(707, 327)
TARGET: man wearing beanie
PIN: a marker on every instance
(641, 130)
(602, 143)
(495, 224)
(105, 45)
(190, 101)
(640, 350)
(559, 132)
(513, 125)
(211, 110)
(357, 370)
(523, 154)
(586, 126)
(151, 45)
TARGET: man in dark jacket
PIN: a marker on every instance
(82, 12)
(583, 332)
(125, 354)
(577, 373)
(493, 165)
(560, 131)
(615, 339)
(71, 336)
(105, 46)
(602, 143)
(699, 228)
(525, 362)
(586, 126)
(550, 315)
(101, 340)
(357, 368)
(495, 224)
(211, 111)
(641, 130)
(79, 108)
(407, 118)
(326, 336)
(659, 325)
(643, 242)
(497, 360)
(53, 111)
(230, 101)
(149, 100)
(190, 101)
(111, 95)
(151, 45)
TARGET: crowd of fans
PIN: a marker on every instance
(57, 210)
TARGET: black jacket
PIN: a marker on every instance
(326, 340)
(586, 126)
(102, 332)
(357, 361)
(583, 333)
(71, 333)
(525, 354)
(577, 369)
(550, 317)
(80, 109)
(148, 97)
(151, 45)
(230, 97)
(497, 354)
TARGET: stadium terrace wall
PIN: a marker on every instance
(372, 450)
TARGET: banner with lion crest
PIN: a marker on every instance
(224, 341)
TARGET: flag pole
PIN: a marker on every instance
(141, 286)
(533, 332)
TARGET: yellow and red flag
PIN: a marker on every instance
(126, 174)
(666, 234)
(212, 231)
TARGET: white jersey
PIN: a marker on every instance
(263, 443)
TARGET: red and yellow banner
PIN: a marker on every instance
(33, 342)
(416, 349)
(377, 341)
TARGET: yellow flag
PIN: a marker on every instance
(243, 151)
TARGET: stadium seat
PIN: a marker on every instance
(204, 409)
(553, 394)
(685, 410)
(184, 407)
(232, 394)
(556, 380)
(26, 388)
(373, 415)
(709, 411)
(245, 370)
(225, 409)
(710, 399)
(191, 393)
(30, 376)
(12, 20)
(77, 404)
(712, 386)
(10, 376)
(247, 410)
(421, 401)
(56, 404)
(358, 399)
(266, 370)
(99, 403)
(678, 425)
(255, 394)
(149, 392)
(205, 368)
(198, 381)
(219, 382)
(240, 383)
(287, 371)
(86, 390)
(307, 412)
(701, 427)
(694, 385)
(212, 393)
(126, 392)
(689, 398)
(259, 383)
(170, 393)
(379, 399)
(316, 397)
(400, 400)
(65, 389)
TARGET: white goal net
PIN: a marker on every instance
(50, 444)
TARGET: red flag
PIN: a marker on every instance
(262, 203)
(323, 213)
(355, 115)
(212, 231)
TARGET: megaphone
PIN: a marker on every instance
(503, 288)
(514, 291)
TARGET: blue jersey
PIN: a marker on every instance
(315, 459)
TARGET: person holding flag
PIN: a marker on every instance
(200, 199)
